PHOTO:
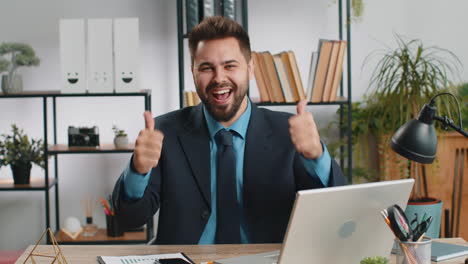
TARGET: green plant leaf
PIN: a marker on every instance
(18, 149)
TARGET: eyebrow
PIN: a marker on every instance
(211, 64)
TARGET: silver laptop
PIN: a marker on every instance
(337, 225)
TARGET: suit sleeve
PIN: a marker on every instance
(310, 179)
(320, 166)
(135, 212)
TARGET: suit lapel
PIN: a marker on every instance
(196, 146)
(257, 147)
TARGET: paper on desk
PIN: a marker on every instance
(137, 259)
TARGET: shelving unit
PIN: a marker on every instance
(102, 238)
(54, 149)
(181, 35)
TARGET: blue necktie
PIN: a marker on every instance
(228, 211)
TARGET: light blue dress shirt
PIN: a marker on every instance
(135, 183)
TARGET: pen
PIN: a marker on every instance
(212, 262)
(110, 202)
(106, 206)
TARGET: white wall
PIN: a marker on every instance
(273, 25)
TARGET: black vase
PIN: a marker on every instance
(21, 173)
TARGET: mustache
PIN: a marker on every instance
(215, 85)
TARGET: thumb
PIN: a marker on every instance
(301, 107)
(149, 121)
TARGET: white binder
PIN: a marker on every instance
(72, 55)
(126, 54)
(100, 61)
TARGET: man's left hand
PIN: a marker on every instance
(304, 133)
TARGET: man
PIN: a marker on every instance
(224, 171)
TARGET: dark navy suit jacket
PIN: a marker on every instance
(180, 185)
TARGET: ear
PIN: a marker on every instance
(250, 67)
(192, 69)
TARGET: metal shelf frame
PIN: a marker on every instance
(50, 95)
(181, 35)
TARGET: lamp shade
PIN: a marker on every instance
(416, 140)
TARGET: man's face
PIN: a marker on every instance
(221, 74)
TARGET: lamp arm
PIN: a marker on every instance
(449, 122)
(432, 103)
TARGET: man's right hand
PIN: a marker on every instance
(148, 146)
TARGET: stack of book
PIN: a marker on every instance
(277, 77)
(326, 70)
(197, 10)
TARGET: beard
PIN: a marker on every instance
(226, 112)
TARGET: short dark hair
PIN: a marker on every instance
(218, 27)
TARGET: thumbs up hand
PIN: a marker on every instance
(304, 133)
(148, 146)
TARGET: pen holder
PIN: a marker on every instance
(409, 252)
(113, 229)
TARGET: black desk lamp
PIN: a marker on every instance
(417, 140)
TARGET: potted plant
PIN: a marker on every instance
(405, 79)
(364, 168)
(374, 260)
(357, 10)
(462, 91)
(19, 55)
(17, 151)
(121, 138)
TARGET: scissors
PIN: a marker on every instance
(421, 228)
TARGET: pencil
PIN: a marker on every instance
(104, 203)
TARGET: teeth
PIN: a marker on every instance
(221, 91)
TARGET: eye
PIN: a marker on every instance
(230, 66)
(206, 69)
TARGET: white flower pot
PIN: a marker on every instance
(121, 142)
(13, 85)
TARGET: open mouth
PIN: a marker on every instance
(127, 80)
(221, 96)
(72, 80)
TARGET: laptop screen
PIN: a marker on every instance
(342, 224)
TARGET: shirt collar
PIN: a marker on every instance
(240, 126)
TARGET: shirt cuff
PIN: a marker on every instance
(134, 182)
(320, 166)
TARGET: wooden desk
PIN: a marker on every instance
(77, 254)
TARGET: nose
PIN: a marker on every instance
(220, 75)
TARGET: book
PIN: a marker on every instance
(259, 78)
(312, 71)
(322, 67)
(207, 8)
(290, 63)
(330, 71)
(442, 251)
(229, 9)
(140, 259)
(272, 76)
(191, 14)
(190, 99)
(283, 78)
(338, 73)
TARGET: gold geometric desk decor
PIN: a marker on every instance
(56, 256)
